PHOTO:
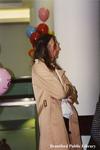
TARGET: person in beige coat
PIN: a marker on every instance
(49, 92)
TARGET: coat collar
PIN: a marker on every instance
(60, 71)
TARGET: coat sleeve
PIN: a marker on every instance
(43, 78)
(72, 92)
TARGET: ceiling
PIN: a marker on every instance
(10, 1)
(15, 3)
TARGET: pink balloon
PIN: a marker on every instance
(43, 14)
(5, 80)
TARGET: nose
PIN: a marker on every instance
(59, 47)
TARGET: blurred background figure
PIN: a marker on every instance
(95, 129)
(4, 145)
(0, 145)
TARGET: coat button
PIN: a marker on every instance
(45, 103)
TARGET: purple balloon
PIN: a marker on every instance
(5, 80)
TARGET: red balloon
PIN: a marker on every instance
(43, 14)
(34, 36)
(42, 28)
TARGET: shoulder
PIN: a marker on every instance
(39, 67)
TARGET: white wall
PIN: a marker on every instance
(35, 20)
(76, 27)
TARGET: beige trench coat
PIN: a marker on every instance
(53, 133)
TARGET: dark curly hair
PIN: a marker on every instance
(41, 50)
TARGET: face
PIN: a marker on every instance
(54, 48)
